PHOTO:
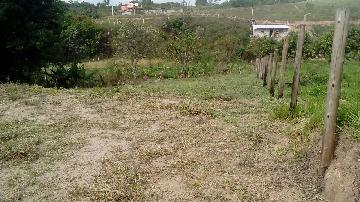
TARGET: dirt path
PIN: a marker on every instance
(154, 148)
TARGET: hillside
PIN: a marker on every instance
(319, 9)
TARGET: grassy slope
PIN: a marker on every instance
(320, 10)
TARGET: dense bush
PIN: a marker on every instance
(260, 47)
(81, 39)
(36, 34)
(69, 76)
(353, 44)
(84, 9)
(309, 49)
(173, 27)
(29, 39)
(321, 46)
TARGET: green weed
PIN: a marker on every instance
(312, 96)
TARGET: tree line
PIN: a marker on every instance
(316, 46)
(49, 39)
(46, 42)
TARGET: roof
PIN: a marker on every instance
(270, 27)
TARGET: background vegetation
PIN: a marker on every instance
(74, 45)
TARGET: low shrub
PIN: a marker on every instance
(69, 77)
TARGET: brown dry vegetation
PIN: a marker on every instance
(161, 141)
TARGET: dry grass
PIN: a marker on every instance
(104, 63)
(169, 140)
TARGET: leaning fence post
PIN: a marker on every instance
(273, 73)
(297, 65)
(283, 67)
(334, 88)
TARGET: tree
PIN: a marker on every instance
(29, 39)
(201, 2)
(147, 3)
(107, 2)
(83, 8)
(135, 41)
(184, 48)
(81, 39)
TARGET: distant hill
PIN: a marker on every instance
(249, 3)
(319, 9)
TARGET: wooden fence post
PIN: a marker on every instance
(297, 65)
(273, 73)
(283, 68)
(334, 88)
(262, 68)
(267, 66)
(257, 67)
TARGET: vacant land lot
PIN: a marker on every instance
(192, 139)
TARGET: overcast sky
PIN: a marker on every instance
(116, 2)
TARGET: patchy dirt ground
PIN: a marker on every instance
(67, 145)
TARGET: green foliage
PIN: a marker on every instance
(260, 47)
(321, 46)
(83, 9)
(244, 3)
(167, 5)
(353, 44)
(115, 73)
(184, 48)
(174, 27)
(201, 2)
(309, 50)
(29, 37)
(135, 41)
(147, 4)
(227, 47)
(69, 77)
(312, 93)
(81, 39)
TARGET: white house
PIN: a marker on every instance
(275, 31)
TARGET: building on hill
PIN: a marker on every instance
(129, 7)
(277, 31)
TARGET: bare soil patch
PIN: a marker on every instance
(155, 148)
